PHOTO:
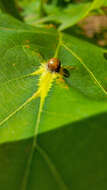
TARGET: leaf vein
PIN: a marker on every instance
(85, 66)
(52, 167)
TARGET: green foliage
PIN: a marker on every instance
(9, 6)
(61, 133)
(62, 13)
(68, 152)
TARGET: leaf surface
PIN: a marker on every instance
(10, 7)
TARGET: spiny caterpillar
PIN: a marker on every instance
(48, 71)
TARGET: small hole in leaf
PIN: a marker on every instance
(105, 56)
(66, 73)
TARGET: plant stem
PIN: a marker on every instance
(41, 9)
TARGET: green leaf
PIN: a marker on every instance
(99, 3)
(65, 17)
(74, 13)
(10, 7)
(71, 140)
(72, 157)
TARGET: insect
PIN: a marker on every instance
(48, 71)
(54, 65)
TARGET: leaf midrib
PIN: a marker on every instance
(43, 153)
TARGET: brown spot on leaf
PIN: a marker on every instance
(27, 46)
(27, 41)
(50, 26)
